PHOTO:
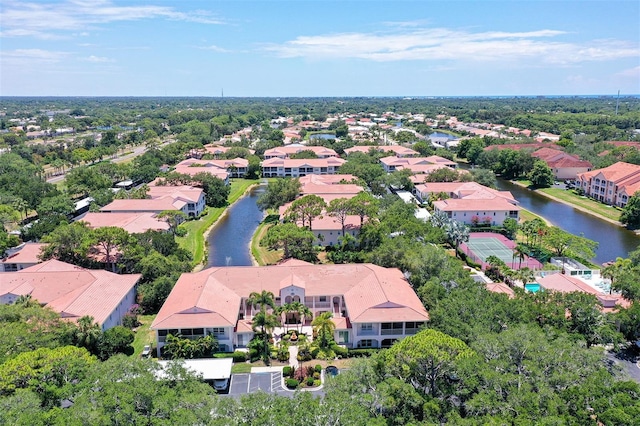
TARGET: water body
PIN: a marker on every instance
(440, 136)
(228, 242)
(323, 136)
(614, 241)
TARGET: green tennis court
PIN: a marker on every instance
(485, 247)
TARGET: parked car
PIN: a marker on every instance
(146, 351)
(220, 384)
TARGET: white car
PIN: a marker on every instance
(220, 384)
(146, 351)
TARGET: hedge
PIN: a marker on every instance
(354, 353)
(292, 383)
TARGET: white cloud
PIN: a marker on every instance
(446, 44)
(49, 20)
(630, 73)
(98, 59)
(214, 48)
(36, 54)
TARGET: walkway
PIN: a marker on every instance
(293, 356)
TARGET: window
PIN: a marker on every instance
(323, 298)
(366, 327)
(198, 331)
(366, 343)
(217, 330)
(343, 337)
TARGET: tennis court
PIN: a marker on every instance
(481, 245)
(485, 247)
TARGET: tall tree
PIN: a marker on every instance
(111, 238)
(340, 208)
(306, 209)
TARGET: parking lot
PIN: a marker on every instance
(270, 382)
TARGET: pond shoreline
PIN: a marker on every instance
(199, 267)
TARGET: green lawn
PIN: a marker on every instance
(526, 215)
(144, 336)
(241, 367)
(263, 255)
(194, 240)
(593, 206)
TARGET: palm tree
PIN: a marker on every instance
(301, 310)
(324, 329)
(520, 252)
(266, 322)
(88, 333)
(265, 298)
(457, 233)
(26, 301)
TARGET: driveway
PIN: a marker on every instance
(628, 362)
(270, 382)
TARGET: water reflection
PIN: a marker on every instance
(614, 241)
(228, 242)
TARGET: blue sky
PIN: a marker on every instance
(318, 48)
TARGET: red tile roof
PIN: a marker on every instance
(133, 223)
(29, 253)
(70, 290)
(212, 297)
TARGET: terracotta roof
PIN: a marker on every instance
(312, 162)
(475, 204)
(397, 149)
(154, 205)
(326, 179)
(621, 173)
(27, 254)
(565, 284)
(134, 223)
(558, 159)
(212, 297)
(519, 146)
(346, 190)
(500, 288)
(286, 151)
(70, 290)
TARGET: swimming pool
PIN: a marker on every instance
(532, 288)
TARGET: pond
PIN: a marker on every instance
(228, 242)
(614, 240)
(322, 136)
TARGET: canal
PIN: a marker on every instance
(614, 241)
(228, 242)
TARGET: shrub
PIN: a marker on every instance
(316, 375)
(287, 371)
(283, 354)
(340, 351)
(354, 353)
(254, 355)
(317, 383)
(317, 368)
(239, 356)
(310, 381)
(292, 383)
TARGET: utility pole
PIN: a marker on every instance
(617, 102)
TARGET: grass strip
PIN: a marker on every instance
(592, 206)
(263, 255)
(144, 335)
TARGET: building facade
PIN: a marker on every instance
(372, 306)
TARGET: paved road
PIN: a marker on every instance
(628, 362)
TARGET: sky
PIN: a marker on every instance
(319, 48)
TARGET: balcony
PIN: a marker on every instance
(367, 332)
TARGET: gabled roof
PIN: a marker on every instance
(286, 151)
(312, 162)
(622, 174)
(28, 253)
(70, 290)
(134, 223)
(397, 149)
(372, 293)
